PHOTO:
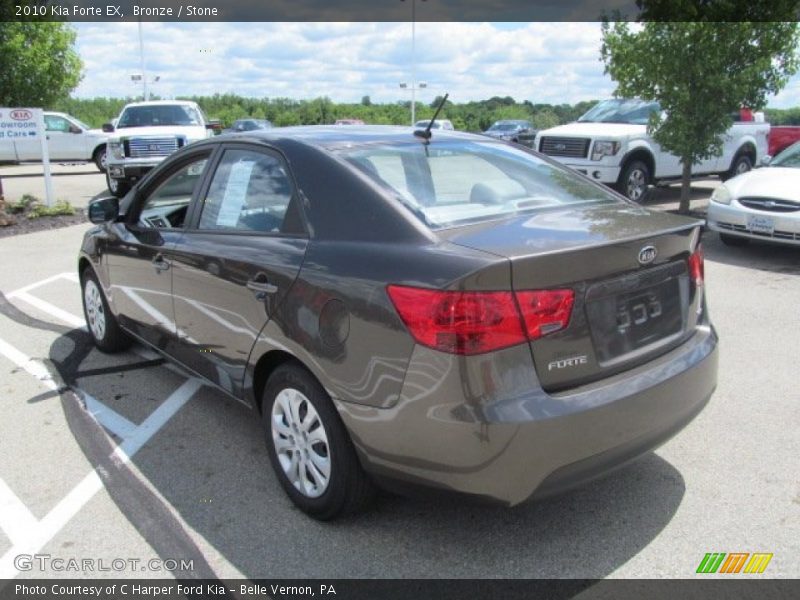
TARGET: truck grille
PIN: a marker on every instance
(770, 204)
(563, 146)
(146, 147)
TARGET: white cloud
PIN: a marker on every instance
(541, 62)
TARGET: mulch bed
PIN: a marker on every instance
(25, 225)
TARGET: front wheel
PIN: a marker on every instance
(118, 187)
(741, 164)
(309, 448)
(103, 325)
(99, 158)
(634, 181)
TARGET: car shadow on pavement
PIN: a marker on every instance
(776, 258)
(209, 465)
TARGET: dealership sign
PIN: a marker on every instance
(21, 127)
(20, 123)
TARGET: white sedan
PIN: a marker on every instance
(760, 205)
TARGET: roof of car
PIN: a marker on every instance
(332, 135)
(162, 102)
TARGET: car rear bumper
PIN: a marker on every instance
(481, 425)
(733, 220)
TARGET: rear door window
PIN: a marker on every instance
(249, 192)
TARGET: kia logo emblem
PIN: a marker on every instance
(20, 115)
(647, 255)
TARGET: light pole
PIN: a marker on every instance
(422, 85)
(413, 59)
(137, 78)
(141, 63)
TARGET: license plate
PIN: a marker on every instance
(760, 224)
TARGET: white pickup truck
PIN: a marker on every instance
(68, 139)
(610, 144)
(146, 133)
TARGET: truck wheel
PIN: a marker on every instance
(118, 187)
(634, 181)
(99, 158)
(741, 164)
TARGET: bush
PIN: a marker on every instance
(62, 207)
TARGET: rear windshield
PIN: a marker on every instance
(158, 114)
(447, 184)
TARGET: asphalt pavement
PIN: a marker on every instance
(126, 458)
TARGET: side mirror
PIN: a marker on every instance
(765, 160)
(214, 124)
(75, 129)
(103, 210)
(108, 128)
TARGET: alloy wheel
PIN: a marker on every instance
(301, 443)
(95, 311)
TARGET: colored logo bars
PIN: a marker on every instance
(734, 562)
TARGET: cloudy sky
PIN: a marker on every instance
(541, 62)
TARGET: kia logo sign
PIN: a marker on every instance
(21, 115)
(647, 255)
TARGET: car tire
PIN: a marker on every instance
(733, 240)
(634, 181)
(99, 158)
(741, 164)
(103, 326)
(117, 187)
(309, 447)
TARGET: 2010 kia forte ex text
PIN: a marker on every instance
(414, 307)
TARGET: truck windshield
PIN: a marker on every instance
(447, 184)
(620, 110)
(159, 114)
(505, 126)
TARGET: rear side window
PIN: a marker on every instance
(451, 183)
(250, 191)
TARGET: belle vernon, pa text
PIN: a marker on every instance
(203, 590)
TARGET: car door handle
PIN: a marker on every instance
(261, 286)
(160, 263)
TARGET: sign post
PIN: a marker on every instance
(20, 130)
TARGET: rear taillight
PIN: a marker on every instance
(545, 311)
(477, 322)
(696, 266)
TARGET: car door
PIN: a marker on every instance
(140, 259)
(234, 265)
(63, 141)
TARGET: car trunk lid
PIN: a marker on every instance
(628, 267)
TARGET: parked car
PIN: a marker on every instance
(437, 124)
(148, 132)
(455, 312)
(510, 130)
(781, 137)
(349, 122)
(249, 125)
(761, 205)
(68, 139)
(610, 144)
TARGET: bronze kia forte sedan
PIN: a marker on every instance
(452, 311)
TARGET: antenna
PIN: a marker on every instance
(426, 134)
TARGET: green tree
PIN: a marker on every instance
(39, 63)
(700, 72)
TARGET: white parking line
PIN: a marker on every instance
(15, 518)
(34, 367)
(107, 417)
(33, 286)
(58, 313)
(36, 534)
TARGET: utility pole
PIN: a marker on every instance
(141, 63)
